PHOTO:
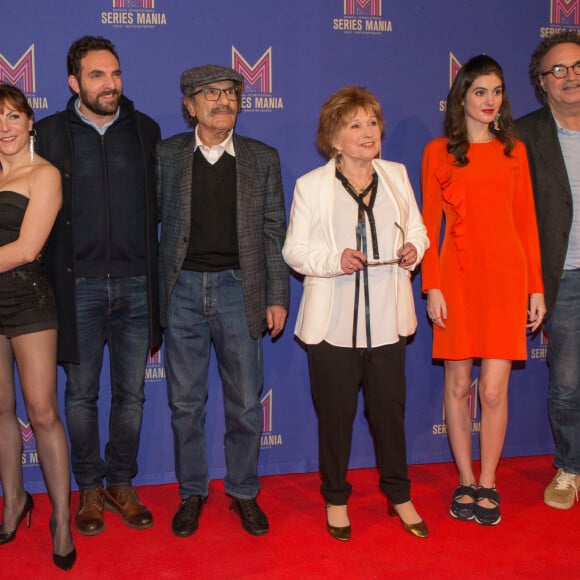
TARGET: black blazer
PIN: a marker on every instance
(552, 195)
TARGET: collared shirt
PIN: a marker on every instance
(212, 154)
(101, 130)
(570, 144)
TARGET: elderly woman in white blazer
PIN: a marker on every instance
(355, 233)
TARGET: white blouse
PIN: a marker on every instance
(382, 279)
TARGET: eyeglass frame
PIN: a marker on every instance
(235, 93)
(392, 261)
(576, 65)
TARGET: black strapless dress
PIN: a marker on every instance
(26, 299)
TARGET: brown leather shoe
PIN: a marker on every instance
(124, 500)
(89, 519)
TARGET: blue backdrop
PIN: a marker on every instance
(294, 54)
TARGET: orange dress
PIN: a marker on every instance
(489, 260)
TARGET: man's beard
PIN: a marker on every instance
(93, 104)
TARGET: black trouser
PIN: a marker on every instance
(336, 375)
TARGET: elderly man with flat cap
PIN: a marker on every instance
(223, 281)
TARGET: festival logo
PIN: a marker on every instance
(29, 452)
(269, 438)
(362, 17)
(564, 15)
(133, 14)
(454, 66)
(540, 352)
(155, 370)
(441, 428)
(22, 74)
(257, 92)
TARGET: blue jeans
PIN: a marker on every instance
(208, 307)
(112, 311)
(563, 328)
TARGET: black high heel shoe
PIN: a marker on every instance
(419, 530)
(62, 562)
(26, 511)
(338, 533)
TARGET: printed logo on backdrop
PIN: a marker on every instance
(441, 428)
(362, 17)
(454, 66)
(22, 74)
(257, 95)
(540, 352)
(155, 369)
(29, 452)
(269, 438)
(133, 14)
(564, 15)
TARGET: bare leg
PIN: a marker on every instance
(493, 394)
(10, 442)
(36, 358)
(456, 403)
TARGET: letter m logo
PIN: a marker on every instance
(454, 66)
(27, 435)
(565, 12)
(267, 412)
(21, 74)
(134, 4)
(362, 8)
(258, 78)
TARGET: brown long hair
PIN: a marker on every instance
(455, 122)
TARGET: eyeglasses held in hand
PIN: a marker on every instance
(214, 94)
(379, 262)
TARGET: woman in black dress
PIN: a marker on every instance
(30, 198)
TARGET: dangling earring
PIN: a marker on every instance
(338, 159)
(31, 139)
(496, 122)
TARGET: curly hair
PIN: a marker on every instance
(79, 49)
(337, 110)
(455, 120)
(536, 67)
(15, 98)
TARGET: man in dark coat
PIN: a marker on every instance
(552, 137)
(102, 261)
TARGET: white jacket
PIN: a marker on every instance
(310, 246)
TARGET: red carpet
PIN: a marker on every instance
(532, 541)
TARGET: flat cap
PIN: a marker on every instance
(207, 74)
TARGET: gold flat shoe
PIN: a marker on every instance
(338, 533)
(419, 530)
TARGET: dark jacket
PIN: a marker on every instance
(55, 143)
(260, 215)
(552, 195)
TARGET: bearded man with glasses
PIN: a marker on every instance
(552, 137)
(223, 281)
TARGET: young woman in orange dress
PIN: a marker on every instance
(483, 282)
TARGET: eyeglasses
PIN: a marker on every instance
(560, 71)
(379, 262)
(214, 94)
